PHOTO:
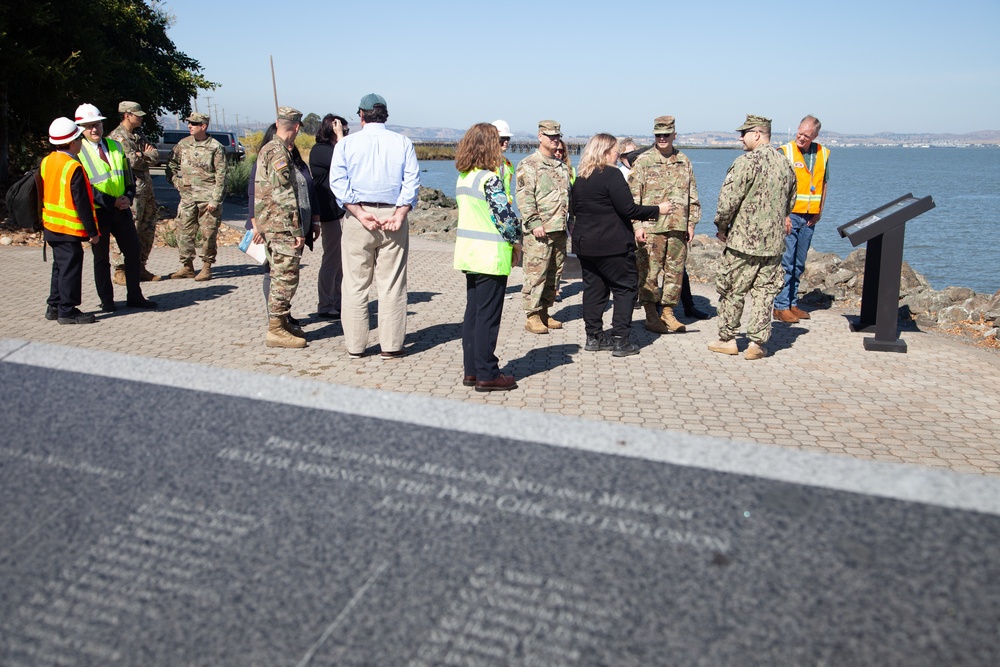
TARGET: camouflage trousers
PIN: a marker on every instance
(193, 217)
(144, 214)
(284, 258)
(543, 267)
(662, 254)
(739, 275)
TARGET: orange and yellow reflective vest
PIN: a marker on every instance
(58, 211)
(809, 185)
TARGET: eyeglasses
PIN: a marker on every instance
(90, 126)
(744, 133)
(553, 137)
(195, 124)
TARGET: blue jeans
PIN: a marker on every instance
(794, 260)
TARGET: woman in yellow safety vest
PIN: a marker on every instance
(487, 244)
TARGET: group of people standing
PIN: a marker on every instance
(631, 219)
(356, 197)
(95, 188)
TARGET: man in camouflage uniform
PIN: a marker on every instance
(197, 168)
(141, 155)
(754, 201)
(543, 190)
(664, 175)
(276, 214)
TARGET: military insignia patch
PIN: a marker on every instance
(280, 164)
(520, 182)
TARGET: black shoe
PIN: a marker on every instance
(695, 313)
(329, 316)
(108, 307)
(76, 317)
(141, 303)
(624, 347)
(599, 343)
(51, 313)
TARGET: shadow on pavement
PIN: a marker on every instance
(542, 359)
(189, 297)
(432, 336)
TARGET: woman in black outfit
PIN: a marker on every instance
(333, 129)
(604, 242)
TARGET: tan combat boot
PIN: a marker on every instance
(672, 323)
(204, 274)
(724, 347)
(186, 271)
(278, 336)
(535, 325)
(755, 351)
(119, 277)
(653, 321)
(549, 321)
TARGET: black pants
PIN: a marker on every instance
(603, 276)
(67, 273)
(483, 307)
(119, 223)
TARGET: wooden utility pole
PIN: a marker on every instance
(274, 85)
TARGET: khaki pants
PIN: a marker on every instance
(380, 255)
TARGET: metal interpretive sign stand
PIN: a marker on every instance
(882, 229)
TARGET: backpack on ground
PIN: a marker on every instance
(24, 201)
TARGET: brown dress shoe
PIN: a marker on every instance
(799, 313)
(468, 380)
(785, 316)
(502, 383)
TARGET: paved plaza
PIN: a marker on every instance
(819, 390)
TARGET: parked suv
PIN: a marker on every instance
(234, 149)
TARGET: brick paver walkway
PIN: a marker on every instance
(819, 390)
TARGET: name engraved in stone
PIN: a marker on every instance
(480, 490)
(158, 550)
(55, 462)
(504, 616)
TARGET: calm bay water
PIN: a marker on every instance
(953, 244)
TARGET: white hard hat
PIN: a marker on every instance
(502, 127)
(88, 113)
(62, 131)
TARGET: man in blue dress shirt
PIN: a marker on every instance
(376, 178)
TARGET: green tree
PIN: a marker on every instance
(57, 54)
(311, 123)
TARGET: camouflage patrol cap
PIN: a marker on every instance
(549, 127)
(663, 125)
(753, 121)
(288, 113)
(132, 108)
(198, 118)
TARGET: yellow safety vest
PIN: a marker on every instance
(479, 248)
(505, 172)
(809, 185)
(58, 211)
(109, 179)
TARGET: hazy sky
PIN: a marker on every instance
(862, 67)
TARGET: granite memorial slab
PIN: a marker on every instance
(144, 523)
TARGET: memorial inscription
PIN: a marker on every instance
(271, 534)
